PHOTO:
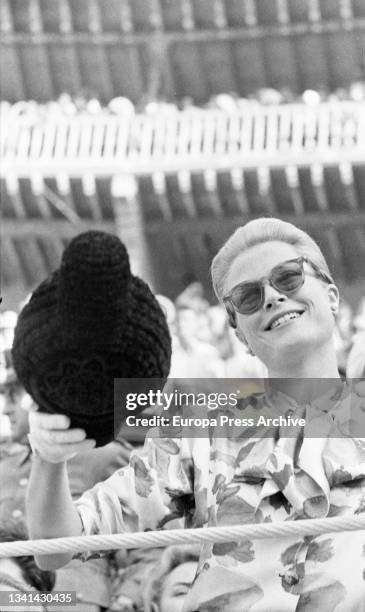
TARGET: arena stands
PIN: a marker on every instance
(171, 48)
(170, 122)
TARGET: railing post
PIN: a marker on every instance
(130, 226)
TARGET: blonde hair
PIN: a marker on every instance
(258, 231)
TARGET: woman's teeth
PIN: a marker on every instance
(284, 318)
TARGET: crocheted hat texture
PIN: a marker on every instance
(90, 322)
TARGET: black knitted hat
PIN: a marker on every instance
(90, 322)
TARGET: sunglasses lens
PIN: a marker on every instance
(288, 278)
(247, 298)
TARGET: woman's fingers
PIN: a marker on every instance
(69, 448)
(42, 420)
(60, 436)
(51, 437)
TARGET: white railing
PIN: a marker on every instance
(192, 140)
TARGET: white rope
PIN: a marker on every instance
(149, 539)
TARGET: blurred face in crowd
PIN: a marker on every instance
(186, 324)
(21, 574)
(14, 578)
(10, 568)
(294, 338)
(16, 407)
(176, 586)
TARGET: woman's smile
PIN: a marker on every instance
(283, 319)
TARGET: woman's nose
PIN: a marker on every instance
(273, 297)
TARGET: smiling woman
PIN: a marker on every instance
(282, 302)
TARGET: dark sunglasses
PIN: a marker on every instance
(249, 296)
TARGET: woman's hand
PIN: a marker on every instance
(51, 438)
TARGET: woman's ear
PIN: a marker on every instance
(334, 298)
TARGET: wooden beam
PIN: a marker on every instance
(131, 228)
(347, 179)
(36, 266)
(309, 220)
(96, 27)
(14, 195)
(213, 34)
(12, 227)
(10, 262)
(100, 167)
(126, 20)
(282, 11)
(60, 204)
(91, 196)
(63, 56)
(292, 178)
(6, 18)
(64, 229)
(250, 13)
(51, 248)
(38, 186)
(65, 16)
(12, 80)
(187, 15)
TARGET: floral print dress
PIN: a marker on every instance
(234, 480)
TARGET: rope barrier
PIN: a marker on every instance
(148, 539)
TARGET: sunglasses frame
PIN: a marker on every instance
(231, 309)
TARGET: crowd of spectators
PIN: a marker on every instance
(86, 103)
(154, 580)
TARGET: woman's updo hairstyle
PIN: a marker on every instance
(258, 231)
